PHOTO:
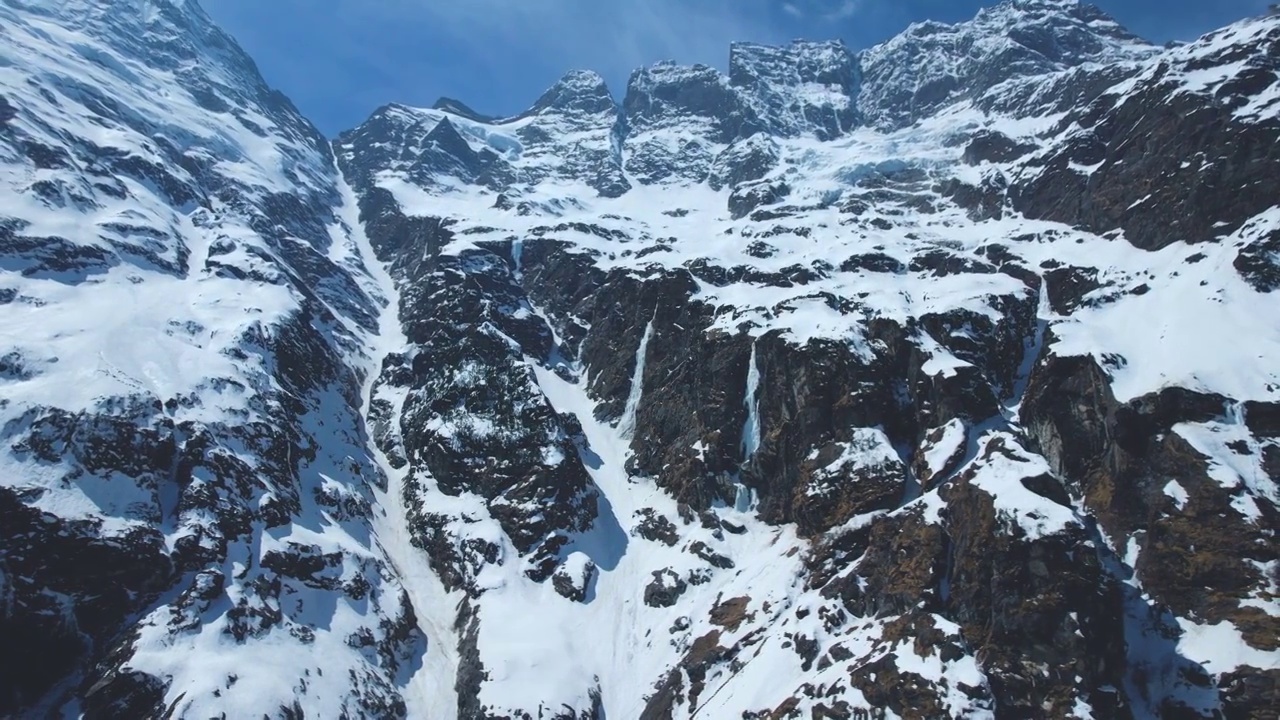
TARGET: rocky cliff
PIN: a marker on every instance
(939, 379)
(187, 489)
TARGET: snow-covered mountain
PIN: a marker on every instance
(940, 379)
(188, 494)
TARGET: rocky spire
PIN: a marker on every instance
(932, 64)
(581, 92)
(803, 88)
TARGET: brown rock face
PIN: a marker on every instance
(811, 466)
(1120, 458)
(1032, 604)
(1143, 182)
(1197, 553)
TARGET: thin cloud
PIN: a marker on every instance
(621, 32)
(846, 10)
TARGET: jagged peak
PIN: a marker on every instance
(1034, 7)
(922, 28)
(1007, 17)
(393, 115)
(828, 62)
(461, 109)
(669, 72)
(1068, 10)
(578, 91)
(443, 129)
(1010, 13)
(798, 46)
(582, 81)
(668, 94)
(394, 109)
(932, 64)
(1067, 5)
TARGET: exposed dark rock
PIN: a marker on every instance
(694, 402)
(509, 446)
(1249, 693)
(459, 108)
(995, 147)
(125, 693)
(1120, 457)
(70, 588)
(1046, 616)
(1068, 286)
(813, 387)
(942, 263)
(906, 693)
(731, 613)
(306, 563)
(749, 196)
(574, 584)
(665, 589)
(1141, 183)
(1258, 262)
(657, 528)
(1263, 418)
(982, 202)
(7, 111)
(744, 161)
(946, 459)
(711, 557)
(471, 670)
(762, 250)
(48, 256)
(873, 262)
(905, 561)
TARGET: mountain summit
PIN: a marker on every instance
(936, 379)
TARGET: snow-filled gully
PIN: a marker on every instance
(628, 648)
(430, 691)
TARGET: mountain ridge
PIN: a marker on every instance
(1009, 16)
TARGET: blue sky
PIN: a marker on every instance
(341, 59)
